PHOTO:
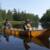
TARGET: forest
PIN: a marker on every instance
(17, 17)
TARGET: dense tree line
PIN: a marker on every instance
(5, 15)
(17, 15)
(45, 20)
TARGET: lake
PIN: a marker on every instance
(17, 44)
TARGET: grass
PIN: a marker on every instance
(16, 22)
(12, 22)
(1, 24)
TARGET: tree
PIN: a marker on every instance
(3, 14)
(9, 15)
(15, 14)
(45, 20)
(18, 16)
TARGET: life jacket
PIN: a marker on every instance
(27, 27)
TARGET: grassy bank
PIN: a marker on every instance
(14, 23)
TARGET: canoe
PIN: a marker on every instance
(34, 33)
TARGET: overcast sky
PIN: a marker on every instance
(31, 6)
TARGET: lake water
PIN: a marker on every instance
(39, 27)
(17, 44)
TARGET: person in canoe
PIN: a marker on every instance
(27, 29)
(6, 25)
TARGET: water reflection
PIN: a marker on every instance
(17, 44)
(39, 27)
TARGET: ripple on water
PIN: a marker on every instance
(17, 44)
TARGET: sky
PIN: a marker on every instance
(38, 7)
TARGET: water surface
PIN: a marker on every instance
(17, 44)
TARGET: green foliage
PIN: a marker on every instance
(45, 20)
(15, 15)
(9, 15)
(21, 16)
(5, 15)
(1, 24)
(16, 23)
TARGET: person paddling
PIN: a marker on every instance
(27, 29)
(7, 25)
